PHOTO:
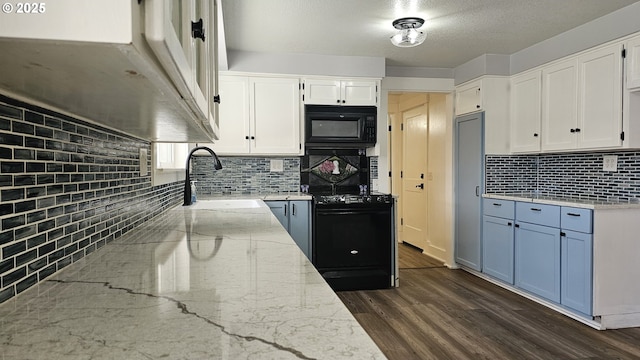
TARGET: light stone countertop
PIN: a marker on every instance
(566, 201)
(215, 280)
(262, 196)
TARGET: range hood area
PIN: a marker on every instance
(91, 60)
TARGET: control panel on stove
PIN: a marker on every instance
(354, 199)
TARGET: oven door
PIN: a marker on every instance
(355, 236)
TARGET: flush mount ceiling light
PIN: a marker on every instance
(408, 34)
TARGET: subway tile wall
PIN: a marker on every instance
(67, 188)
(572, 174)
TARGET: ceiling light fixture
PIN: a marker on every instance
(408, 34)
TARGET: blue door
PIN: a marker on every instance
(469, 175)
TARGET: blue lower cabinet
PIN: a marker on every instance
(577, 273)
(497, 248)
(537, 260)
(295, 217)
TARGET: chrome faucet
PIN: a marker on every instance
(187, 186)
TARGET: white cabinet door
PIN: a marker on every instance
(468, 98)
(322, 92)
(600, 98)
(559, 106)
(525, 112)
(633, 63)
(340, 92)
(234, 116)
(359, 93)
(275, 115)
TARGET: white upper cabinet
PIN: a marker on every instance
(559, 105)
(146, 68)
(491, 95)
(633, 63)
(525, 112)
(600, 98)
(259, 116)
(468, 98)
(234, 116)
(340, 92)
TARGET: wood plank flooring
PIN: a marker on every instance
(438, 313)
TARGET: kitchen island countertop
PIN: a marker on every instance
(217, 280)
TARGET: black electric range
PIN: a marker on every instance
(352, 237)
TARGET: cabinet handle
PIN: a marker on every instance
(285, 209)
(293, 209)
(197, 30)
(562, 234)
(497, 204)
(517, 225)
(477, 190)
(573, 214)
(536, 209)
(509, 223)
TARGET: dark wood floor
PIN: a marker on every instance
(438, 313)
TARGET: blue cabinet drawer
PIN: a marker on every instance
(575, 219)
(499, 208)
(541, 214)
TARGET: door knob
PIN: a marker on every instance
(421, 186)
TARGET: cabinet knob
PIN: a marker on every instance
(577, 129)
(535, 134)
(477, 106)
(247, 137)
(216, 99)
(572, 130)
(344, 101)
(338, 101)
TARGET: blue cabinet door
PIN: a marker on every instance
(280, 210)
(295, 217)
(300, 224)
(577, 278)
(497, 248)
(537, 260)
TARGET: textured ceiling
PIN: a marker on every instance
(457, 30)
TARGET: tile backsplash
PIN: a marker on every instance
(245, 175)
(567, 174)
(67, 188)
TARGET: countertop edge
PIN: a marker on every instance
(576, 203)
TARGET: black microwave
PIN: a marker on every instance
(340, 126)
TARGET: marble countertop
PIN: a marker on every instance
(215, 280)
(262, 196)
(565, 201)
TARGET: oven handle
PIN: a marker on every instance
(351, 211)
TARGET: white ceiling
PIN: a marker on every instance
(457, 30)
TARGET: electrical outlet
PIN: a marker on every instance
(610, 163)
(277, 165)
(374, 184)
